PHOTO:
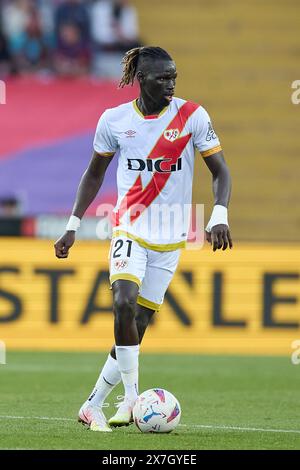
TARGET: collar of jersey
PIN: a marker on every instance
(150, 116)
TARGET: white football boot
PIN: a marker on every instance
(123, 416)
(93, 417)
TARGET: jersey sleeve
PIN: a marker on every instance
(204, 136)
(104, 141)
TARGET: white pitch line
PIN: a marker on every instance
(41, 418)
(200, 426)
(238, 428)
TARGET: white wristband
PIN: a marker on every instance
(219, 216)
(73, 224)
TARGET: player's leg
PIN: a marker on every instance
(125, 294)
(128, 262)
(143, 318)
(126, 346)
(123, 416)
(110, 375)
(127, 268)
(160, 267)
(124, 413)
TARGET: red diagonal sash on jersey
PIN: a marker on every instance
(143, 197)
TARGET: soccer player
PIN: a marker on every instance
(154, 138)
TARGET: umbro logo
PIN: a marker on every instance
(130, 133)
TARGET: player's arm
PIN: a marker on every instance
(217, 230)
(90, 183)
(88, 188)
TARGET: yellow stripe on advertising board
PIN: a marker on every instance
(243, 301)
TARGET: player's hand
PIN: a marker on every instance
(219, 237)
(64, 243)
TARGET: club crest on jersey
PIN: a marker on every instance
(171, 134)
(121, 264)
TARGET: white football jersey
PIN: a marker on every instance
(155, 168)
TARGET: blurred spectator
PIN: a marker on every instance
(5, 58)
(73, 12)
(46, 11)
(114, 25)
(9, 207)
(72, 57)
(10, 217)
(72, 26)
(33, 51)
(114, 29)
(15, 18)
(27, 43)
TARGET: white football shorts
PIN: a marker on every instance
(151, 270)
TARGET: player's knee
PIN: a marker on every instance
(124, 308)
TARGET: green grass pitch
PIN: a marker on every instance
(227, 402)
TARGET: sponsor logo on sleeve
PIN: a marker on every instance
(210, 133)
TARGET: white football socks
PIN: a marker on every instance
(128, 362)
(110, 377)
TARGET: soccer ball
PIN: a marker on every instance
(156, 410)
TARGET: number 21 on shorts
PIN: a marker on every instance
(122, 248)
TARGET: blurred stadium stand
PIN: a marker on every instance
(236, 58)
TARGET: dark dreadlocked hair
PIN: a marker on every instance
(132, 57)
